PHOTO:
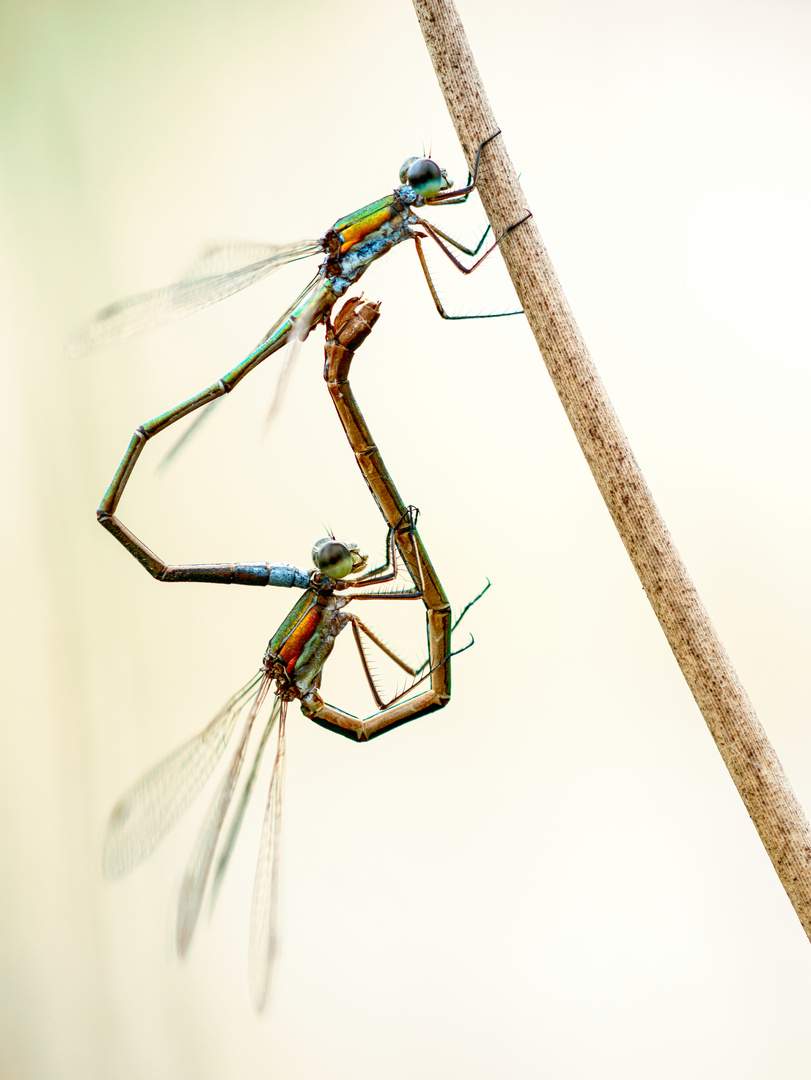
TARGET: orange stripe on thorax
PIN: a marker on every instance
(358, 230)
(299, 637)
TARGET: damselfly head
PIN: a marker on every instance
(424, 176)
(338, 560)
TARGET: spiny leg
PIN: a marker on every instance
(472, 252)
(460, 195)
(396, 711)
(433, 232)
(451, 198)
(358, 627)
(436, 234)
(468, 606)
(395, 540)
(454, 625)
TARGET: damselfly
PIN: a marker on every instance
(291, 670)
(350, 247)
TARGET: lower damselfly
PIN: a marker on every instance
(291, 670)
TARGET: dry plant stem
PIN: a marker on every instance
(729, 714)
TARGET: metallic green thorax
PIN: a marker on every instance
(300, 647)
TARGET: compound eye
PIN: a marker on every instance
(405, 167)
(333, 558)
(425, 177)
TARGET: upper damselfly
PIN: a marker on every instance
(349, 248)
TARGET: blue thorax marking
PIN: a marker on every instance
(408, 196)
(358, 259)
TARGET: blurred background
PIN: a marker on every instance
(553, 876)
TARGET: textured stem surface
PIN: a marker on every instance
(738, 734)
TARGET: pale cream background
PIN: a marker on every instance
(553, 877)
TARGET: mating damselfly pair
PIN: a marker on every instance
(294, 660)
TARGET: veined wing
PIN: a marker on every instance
(228, 256)
(150, 808)
(197, 870)
(266, 884)
(236, 823)
(212, 278)
(290, 350)
(302, 325)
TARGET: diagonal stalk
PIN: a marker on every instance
(725, 705)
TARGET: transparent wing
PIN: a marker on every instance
(284, 371)
(289, 352)
(300, 329)
(211, 279)
(202, 415)
(197, 869)
(150, 808)
(266, 885)
(233, 256)
(233, 832)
